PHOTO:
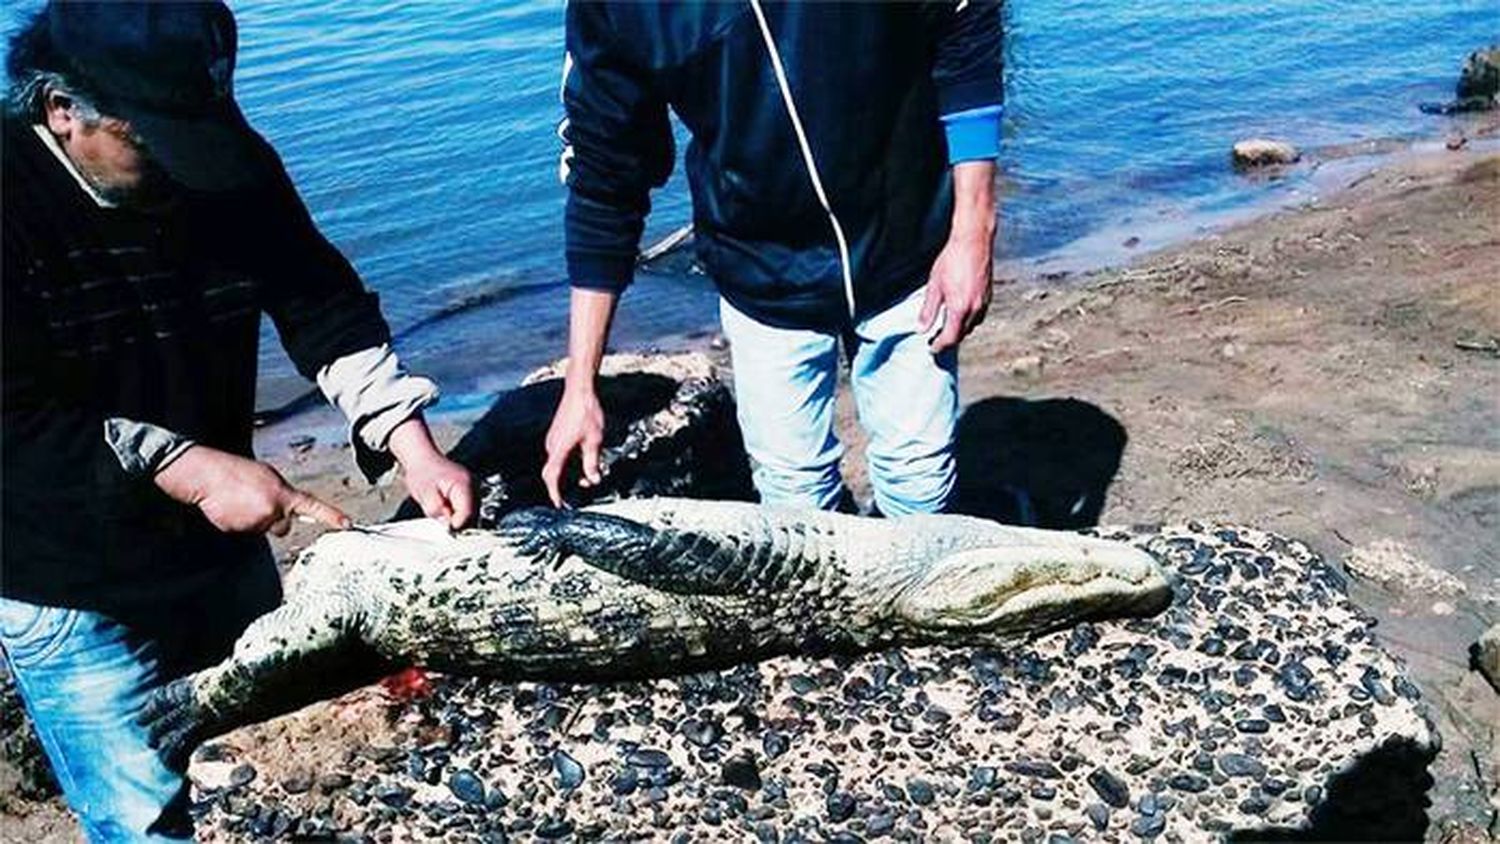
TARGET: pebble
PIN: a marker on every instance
(1098, 815)
(1149, 826)
(570, 773)
(242, 775)
(774, 744)
(1240, 765)
(741, 772)
(1034, 768)
(466, 786)
(1188, 782)
(920, 791)
(648, 758)
(1109, 788)
(840, 805)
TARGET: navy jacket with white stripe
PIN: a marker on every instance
(868, 81)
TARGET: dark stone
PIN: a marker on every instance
(648, 758)
(1149, 826)
(982, 777)
(242, 775)
(1240, 765)
(1110, 788)
(1295, 679)
(920, 791)
(395, 796)
(840, 806)
(1255, 804)
(1034, 768)
(552, 829)
(1372, 683)
(1188, 782)
(1252, 725)
(1098, 815)
(741, 772)
(700, 733)
(774, 744)
(570, 773)
(624, 780)
(466, 786)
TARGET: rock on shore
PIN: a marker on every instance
(1261, 152)
(1259, 701)
(1487, 656)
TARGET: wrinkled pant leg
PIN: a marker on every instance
(908, 402)
(785, 381)
(85, 677)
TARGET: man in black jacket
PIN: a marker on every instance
(146, 227)
(842, 177)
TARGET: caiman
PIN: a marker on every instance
(644, 588)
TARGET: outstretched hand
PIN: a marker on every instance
(441, 487)
(578, 426)
(240, 495)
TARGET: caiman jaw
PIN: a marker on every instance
(993, 593)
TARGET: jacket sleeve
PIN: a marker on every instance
(617, 146)
(969, 62)
(316, 300)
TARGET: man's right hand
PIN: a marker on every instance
(577, 425)
(240, 495)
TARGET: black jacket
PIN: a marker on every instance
(869, 82)
(109, 312)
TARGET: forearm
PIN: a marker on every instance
(974, 200)
(589, 317)
(377, 395)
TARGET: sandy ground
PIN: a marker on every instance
(1330, 373)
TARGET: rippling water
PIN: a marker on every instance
(422, 137)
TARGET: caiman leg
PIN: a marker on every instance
(308, 649)
(677, 561)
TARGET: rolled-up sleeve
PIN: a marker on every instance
(141, 448)
(617, 146)
(375, 393)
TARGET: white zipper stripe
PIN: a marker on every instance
(807, 156)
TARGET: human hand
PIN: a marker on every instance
(240, 495)
(577, 425)
(958, 287)
(441, 487)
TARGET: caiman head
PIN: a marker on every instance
(987, 595)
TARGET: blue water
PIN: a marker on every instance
(422, 137)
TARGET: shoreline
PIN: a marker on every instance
(294, 408)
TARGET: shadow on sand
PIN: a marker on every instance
(1044, 463)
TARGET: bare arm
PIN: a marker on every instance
(960, 282)
(579, 421)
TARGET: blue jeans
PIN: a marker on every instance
(785, 381)
(85, 676)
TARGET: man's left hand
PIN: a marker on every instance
(442, 488)
(959, 287)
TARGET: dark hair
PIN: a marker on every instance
(34, 67)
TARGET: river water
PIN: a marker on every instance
(423, 138)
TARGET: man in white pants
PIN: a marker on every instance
(842, 171)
